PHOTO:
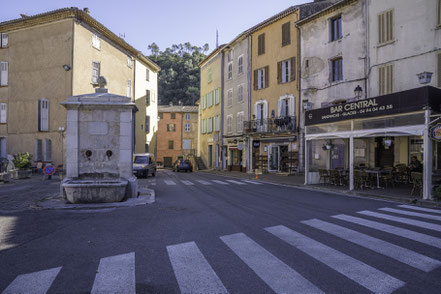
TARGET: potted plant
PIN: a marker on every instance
(22, 162)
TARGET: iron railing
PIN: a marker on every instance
(284, 124)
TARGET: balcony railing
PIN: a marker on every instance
(282, 124)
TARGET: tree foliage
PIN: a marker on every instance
(179, 78)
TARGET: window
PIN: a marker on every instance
(230, 56)
(239, 122)
(3, 113)
(230, 70)
(217, 123)
(385, 27)
(129, 88)
(229, 124)
(261, 78)
(230, 97)
(147, 97)
(286, 34)
(336, 33)
(240, 65)
(147, 124)
(187, 127)
(146, 148)
(171, 144)
(337, 69)
(210, 75)
(3, 73)
(285, 107)
(203, 126)
(210, 125)
(216, 96)
(261, 44)
(210, 99)
(173, 115)
(47, 150)
(171, 127)
(147, 74)
(43, 115)
(129, 61)
(386, 79)
(160, 115)
(187, 116)
(38, 150)
(96, 68)
(187, 144)
(96, 41)
(240, 93)
(4, 40)
(286, 70)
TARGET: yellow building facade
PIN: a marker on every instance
(274, 112)
(50, 57)
(210, 110)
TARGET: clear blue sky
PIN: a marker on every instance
(164, 22)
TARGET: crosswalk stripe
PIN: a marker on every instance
(405, 233)
(420, 208)
(236, 182)
(403, 220)
(188, 183)
(220, 182)
(401, 254)
(170, 183)
(193, 272)
(203, 182)
(252, 182)
(116, 274)
(365, 275)
(411, 213)
(276, 274)
(36, 283)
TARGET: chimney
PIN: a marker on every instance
(86, 10)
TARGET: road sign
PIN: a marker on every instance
(49, 170)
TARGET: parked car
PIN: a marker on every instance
(144, 164)
(184, 165)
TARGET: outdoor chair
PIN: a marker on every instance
(417, 181)
(324, 176)
(402, 173)
(334, 177)
(387, 177)
(361, 179)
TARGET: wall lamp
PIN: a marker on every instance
(358, 91)
(66, 67)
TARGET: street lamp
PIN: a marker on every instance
(425, 77)
(358, 91)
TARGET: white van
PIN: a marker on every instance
(144, 164)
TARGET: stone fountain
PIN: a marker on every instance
(99, 144)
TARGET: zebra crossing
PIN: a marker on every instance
(194, 274)
(170, 182)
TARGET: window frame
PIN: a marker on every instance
(386, 79)
(261, 44)
(3, 43)
(239, 122)
(187, 127)
(147, 75)
(386, 31)
(171, 128)
(230, 71)
(286, 34)
(240, 65)
(171, 144)
(3, 113)
(96, 68)
(230, 97)
(147, 97)
(240, 93)
(4, 67)
(129, 88)
(336, 69)
(188, 116)
(336, 28)
(96, 41)
(43, 108)
(229, 124)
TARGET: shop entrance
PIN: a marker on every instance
(384, 152)
(210, 156)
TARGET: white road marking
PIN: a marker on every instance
(35, 283)
(188, 183)
(252, 182)
(405, 233)
(403, 220)
(420, 208)
(220, 182)
(401, 254)
(193, 272)
(411, 213)
(203, 182)
(236, 182)
(116, 274)
(365, 275)
(276, 274)
(170, 183)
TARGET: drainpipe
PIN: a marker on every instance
(221, 139)
(367, 59)
(250, 73)
(301, 135)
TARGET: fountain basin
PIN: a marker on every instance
(95, 191)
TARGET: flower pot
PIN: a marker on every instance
(23, 174)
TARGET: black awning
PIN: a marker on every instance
(395, 103)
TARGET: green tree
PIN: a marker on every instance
(179, 78)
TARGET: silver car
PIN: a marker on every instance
(144, 164)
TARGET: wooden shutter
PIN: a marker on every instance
(147, 97)
(47, 150)
(266, 76)
(38, 150)
(4, 40)
(279, 72)
(3, 73)
(390, 78)
(255, 79)
(293, 68)
(286, 34)
(439, 69)
(45, 115)
(381, 80)
(147, 124)
(3, 113)
(380, 29)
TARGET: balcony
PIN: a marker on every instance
(284, 124)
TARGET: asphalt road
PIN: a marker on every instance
(211, 234)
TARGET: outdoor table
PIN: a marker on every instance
(377, 172)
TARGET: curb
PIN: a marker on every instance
(414, 201)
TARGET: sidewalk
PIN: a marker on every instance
(396, 194)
